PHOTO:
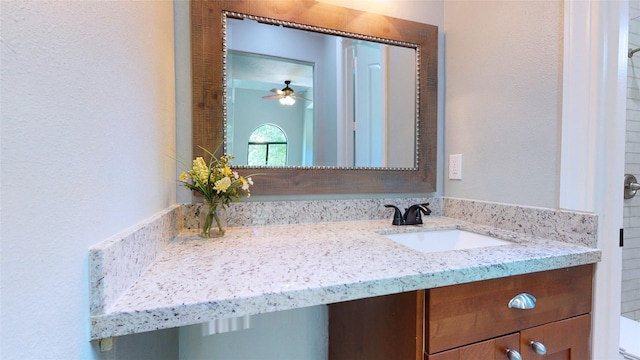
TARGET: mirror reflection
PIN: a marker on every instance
(301, 98)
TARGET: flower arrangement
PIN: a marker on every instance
(218, 184)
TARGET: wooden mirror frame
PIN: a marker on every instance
(208, 89)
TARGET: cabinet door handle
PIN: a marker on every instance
(538, 347)
(513, 355)
(523, 301)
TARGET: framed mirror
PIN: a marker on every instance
(242, 79)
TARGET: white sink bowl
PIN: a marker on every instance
(445, 240)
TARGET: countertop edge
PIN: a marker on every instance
(112, 324)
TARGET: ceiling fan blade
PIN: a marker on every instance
(269, 97)
(300, 97)
(274, 90)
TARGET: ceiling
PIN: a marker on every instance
(263, 72)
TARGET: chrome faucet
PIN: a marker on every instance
(412, 214)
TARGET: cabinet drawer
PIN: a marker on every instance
(489, 349)
(463, 314)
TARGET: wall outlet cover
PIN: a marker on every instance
(455, 167)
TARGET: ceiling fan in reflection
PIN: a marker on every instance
(286, 96)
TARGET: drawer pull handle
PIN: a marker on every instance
(523, 301)
(538, 347)
(513, 355)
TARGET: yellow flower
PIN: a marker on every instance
(200, 170)
(222, 185)
(215, 179)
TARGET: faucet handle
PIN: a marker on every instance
(425, 209)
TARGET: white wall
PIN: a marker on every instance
(88, 128)
(401, 150)
(631, 251)
(503, 107)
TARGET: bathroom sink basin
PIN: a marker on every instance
(444, 240)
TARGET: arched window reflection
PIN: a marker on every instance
(267, 146)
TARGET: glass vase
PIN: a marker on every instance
(211, 215)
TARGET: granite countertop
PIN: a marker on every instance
(260, 269)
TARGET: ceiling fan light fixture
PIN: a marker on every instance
(287, 100)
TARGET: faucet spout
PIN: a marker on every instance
(397, 215)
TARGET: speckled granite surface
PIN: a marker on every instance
(567, 226)
(305, 212)
(116, 263)
(256, 269)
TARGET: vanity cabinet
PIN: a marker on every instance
(567, 339)
(469, 321)
(383, 327)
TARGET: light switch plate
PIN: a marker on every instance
(455, 167)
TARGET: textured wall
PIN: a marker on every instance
(631, 250)
(503, 86)
(88, 128)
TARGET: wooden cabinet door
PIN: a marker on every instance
(494, 349)
(463, 314)
(565, 340)
(382, 327)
